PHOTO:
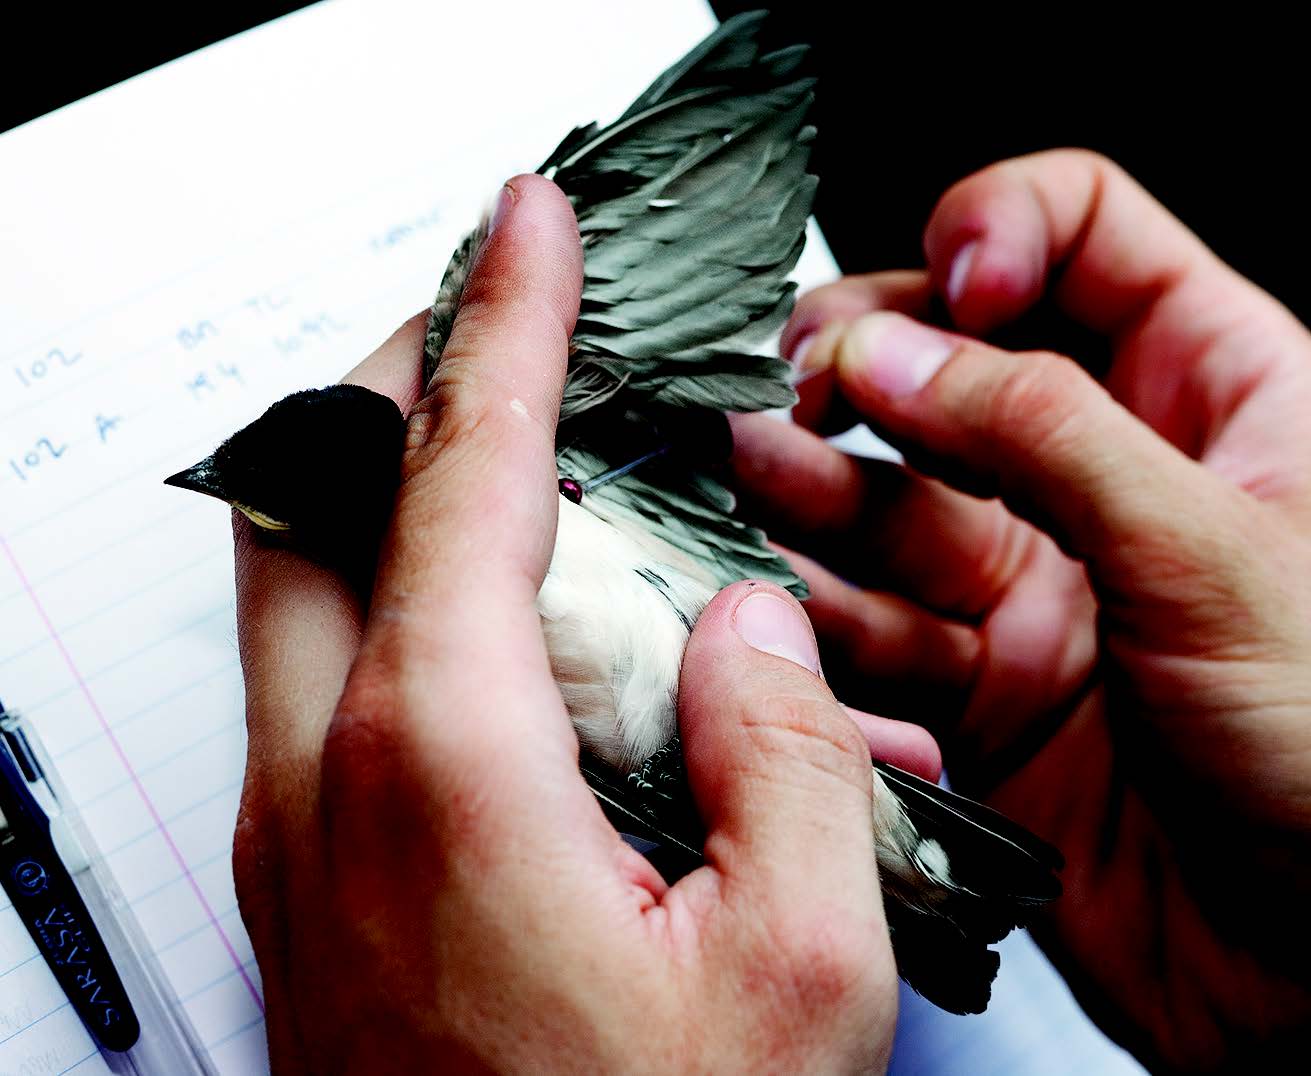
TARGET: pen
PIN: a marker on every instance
(82, 926)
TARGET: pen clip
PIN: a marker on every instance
(48, 902)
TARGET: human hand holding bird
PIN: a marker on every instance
(427, 880)
(692, 208)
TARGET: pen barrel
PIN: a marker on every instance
(82, 925)
(50, 906)
(168, 1045)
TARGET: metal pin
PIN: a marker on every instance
(619, 472)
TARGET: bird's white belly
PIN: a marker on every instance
(616, 616)
(616, 645)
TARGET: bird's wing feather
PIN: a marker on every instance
(685, 274)
(692, 208)
(687, 508)
(922, 797)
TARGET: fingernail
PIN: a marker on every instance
(959, 274)
(768, 623)
(504, 200)
(800, 348)
(897, 356)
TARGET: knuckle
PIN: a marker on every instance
(453, 418)
(250, 853)
(258, 864)
(853, 296)
(537, 300)
(962, 204)
(415, 325)
(820, 305)
(1089, 160)
(1036, 400)
(808, 731)
(1025, 163)
(362, 744)
(472, 417)
(388, 792)
(966, 205)
(408, 335)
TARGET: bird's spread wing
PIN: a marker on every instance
(692, 208)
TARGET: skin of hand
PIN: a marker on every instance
(1110, 582)
(427, 881)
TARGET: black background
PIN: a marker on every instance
(1209, 113)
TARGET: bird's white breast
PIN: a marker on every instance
(615, 636)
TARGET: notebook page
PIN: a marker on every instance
(175, 254)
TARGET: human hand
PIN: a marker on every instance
(1115, 578)
(427, 881)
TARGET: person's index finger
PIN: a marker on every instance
(453, 675)
(478, 480)
(522, 294)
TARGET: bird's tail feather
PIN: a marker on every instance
(983, 878)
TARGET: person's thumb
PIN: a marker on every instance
(1039, 432)
(780, 772)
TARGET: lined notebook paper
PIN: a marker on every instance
(176, 253)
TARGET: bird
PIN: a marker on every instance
(692, 210)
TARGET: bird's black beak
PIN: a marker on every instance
(202, 478)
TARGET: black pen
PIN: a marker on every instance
(80, 923)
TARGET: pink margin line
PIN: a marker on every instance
(132, 773)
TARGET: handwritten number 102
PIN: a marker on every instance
(39, 369)
(44, 450)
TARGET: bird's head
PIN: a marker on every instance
(319, 468)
